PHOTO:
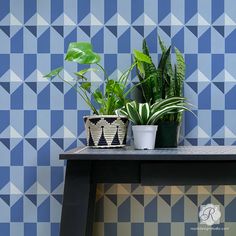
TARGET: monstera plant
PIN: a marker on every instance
(104, 128)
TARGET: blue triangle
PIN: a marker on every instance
(6, 30)
(112, 198)
(166, 29)
(6, 199)
(32, 85)
(6, 86)
(220, 86)
(193, 29)
(219, 141)
(193, 86)
(139, 29)
(193, 198)
(113, 30)
(32, 142)
(58, 197)
(59, 142)
(139, 198)
(166, 198)
(220, 30)
(86, 29)
(192, 141)
(59, 86)
(220, 198)
(83, 140)
(32, 29)
(59, 29)
(6, 142)
(32, 198)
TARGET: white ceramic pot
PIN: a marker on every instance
(144, 136)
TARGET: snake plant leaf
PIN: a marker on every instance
(54, 73)
(180, 71)
(82, 53)
(86, 86)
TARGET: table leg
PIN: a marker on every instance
(78, 201)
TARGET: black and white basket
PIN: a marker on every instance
(106, 131)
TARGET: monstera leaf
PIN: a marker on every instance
(82, 53)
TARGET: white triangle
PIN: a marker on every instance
(202, 133)
(41, 189)
(148, 20)
(229, 133)
(229, 77)
(41, 133)
(14, 20)
(68, 134)
(14, 189)
(94, 20)
(229, 21)
(40, 77)
(121, 20)
(95, 77)
(175, 20)
(41, 21)
(14, 133)
(14, 77)
(68, 21)
(202, 77)
(202, 21)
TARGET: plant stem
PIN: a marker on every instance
(86, 100)
(105, 73)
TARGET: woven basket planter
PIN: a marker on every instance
(106, 131)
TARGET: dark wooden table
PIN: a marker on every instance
(180, 166)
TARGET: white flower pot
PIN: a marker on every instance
(144, 136)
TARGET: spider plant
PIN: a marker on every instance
(146, 114)
(116, 92)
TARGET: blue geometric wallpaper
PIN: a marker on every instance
(40, 119)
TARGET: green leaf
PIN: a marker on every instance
(86, 86)
(82, 53)
(144, 112)
(132, 111)
(141, 56)
(98, 97)
(84, 71)
(165, 102)
(54, 73)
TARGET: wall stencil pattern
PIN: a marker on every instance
(40, 119)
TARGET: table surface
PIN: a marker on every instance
(183, 153)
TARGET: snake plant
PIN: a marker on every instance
(146, 114)
(165, 80)
(116, 92)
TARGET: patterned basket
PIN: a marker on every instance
(106, 131)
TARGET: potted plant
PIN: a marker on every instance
(165, 81)
(145, 118)
(104, 128)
